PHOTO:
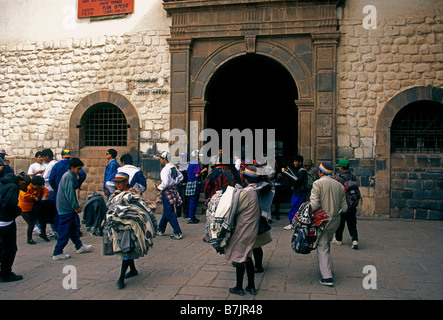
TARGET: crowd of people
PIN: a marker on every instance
(46, 194)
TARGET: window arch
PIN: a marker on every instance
(418, 128)
(105, 125)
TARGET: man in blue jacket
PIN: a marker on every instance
(110, 171)
(59, 170)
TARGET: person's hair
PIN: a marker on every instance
(75, 162)
(47, 153)
(113, 153)
(299, 158)
(37, 181)
(126, 158)
(38, 153)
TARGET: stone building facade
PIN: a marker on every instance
(331, 86)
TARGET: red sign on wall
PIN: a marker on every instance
(95, 8)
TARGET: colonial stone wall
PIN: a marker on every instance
(42, 83)
(373, 66)
(416, 186)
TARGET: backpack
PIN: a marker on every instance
(352, 192)
(309, 182)
(309, 226)
(302, 220)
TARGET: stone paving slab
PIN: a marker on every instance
(407, 256)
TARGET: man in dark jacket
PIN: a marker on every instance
(10, 186)
(349, 217)
(298, 181)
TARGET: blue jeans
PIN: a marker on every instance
(296, 202)
(193, 202)
(67, 229)
(168, 216)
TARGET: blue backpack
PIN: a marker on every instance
(300, 242)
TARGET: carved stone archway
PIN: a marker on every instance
(301, 35)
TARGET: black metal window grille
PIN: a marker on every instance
(418, 128)
(106, 126)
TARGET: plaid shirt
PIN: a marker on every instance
(171, 194)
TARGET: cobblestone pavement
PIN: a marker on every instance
(407, 256)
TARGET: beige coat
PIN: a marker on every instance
(329, 195)
(243, 239)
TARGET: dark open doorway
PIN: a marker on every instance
(255, 92)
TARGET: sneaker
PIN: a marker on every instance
(84, 248)
(131, 274)
(52, 234)
(160, 233)
(176, 236)
(354, 245)
(36, 229)
(289, 227)
(192, 221)
(335, 241)
(12, 277)
(61, 256)
(327, 282)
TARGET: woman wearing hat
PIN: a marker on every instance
(240, 246)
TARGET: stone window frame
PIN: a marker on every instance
(383, 140)
(82, 109)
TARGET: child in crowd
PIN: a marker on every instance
(28, 202)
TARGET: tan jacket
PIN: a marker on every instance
(329, 195)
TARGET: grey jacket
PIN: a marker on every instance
(66, 199)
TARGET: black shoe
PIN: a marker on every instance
(258, 270)
(252, 291)
(120, 284)
(240, 292)
(192, 221)
(44, 237)
(12, 277)
(131, 274)
(31, 242)
(327, 282)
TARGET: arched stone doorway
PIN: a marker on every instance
(93, 156)
(400, 178)
(301, 36)
(254, 92)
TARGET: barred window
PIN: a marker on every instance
(418, 128)
(106, 126)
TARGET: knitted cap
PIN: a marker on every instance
(326, 168)
(121, 176)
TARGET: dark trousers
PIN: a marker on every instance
(67, 229)
(350, 218)
(168, 216)
(8, 248)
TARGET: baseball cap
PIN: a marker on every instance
(165, 155)
(342, 163)
(66, 153)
